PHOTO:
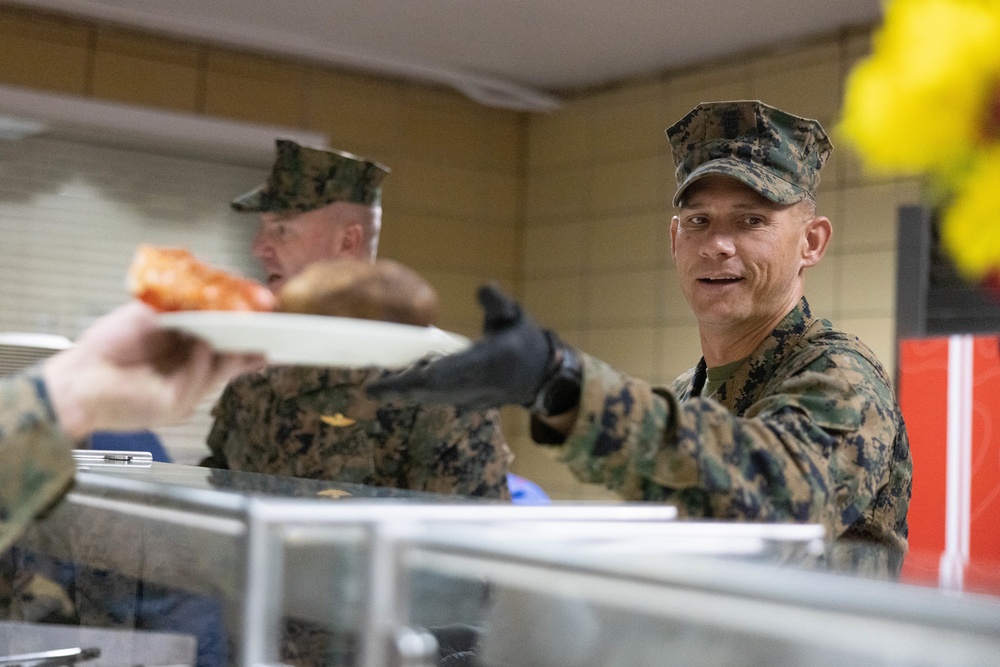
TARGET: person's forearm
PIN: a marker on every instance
(68, 407)
(37, 464)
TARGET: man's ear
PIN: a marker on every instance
(816, 238)
(674, 222)
(351, 239)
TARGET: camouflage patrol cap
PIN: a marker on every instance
(775, 153)
(304, 179)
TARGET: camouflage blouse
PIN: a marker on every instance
(36, 464)
(806, 430)
(318, 423)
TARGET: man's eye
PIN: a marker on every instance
(754, 221)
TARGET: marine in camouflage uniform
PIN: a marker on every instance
(805, 429)
(317, 422)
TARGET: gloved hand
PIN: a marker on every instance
(508, 365)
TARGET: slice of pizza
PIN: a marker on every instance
(172, 279)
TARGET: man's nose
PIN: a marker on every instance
(718, 243)
(261, 245)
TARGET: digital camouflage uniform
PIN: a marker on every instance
(37, 464)
(806, 430)
(36, 468)
(317, 422)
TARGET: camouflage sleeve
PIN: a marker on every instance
(463, 452)
(36, 465)
(814, 449)
(222, 414)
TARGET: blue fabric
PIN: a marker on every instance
(525, 492)
(130, 441)
(139, 604)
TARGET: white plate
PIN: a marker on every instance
(315, 340)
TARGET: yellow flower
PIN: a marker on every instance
(970, 229)
(920, 101)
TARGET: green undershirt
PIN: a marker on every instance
(717, 376)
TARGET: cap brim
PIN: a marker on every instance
(250, 202)
(763, 181)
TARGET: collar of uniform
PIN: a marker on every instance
(290, 381)
(740, 391)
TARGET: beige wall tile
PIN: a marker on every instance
(504, 136)
(632, 185)
(481, 138)
(681, 350)
(821, 286)
(867, 285)
(437, 135)
(503, 192)
(254, 88)
(437, 243)
(354, 111)
(867, 217)
(878, 333)
(557, 193)
(630, 242)
(556, 302)
(624, 299)
(857, 44)
(622, 94)
(832, 172)
(558, 138)
(555, 249)
(514, 421)
(730, 81)
(146, 71)
(673, 306)
(812, 91)
(573, 336)
(502, 247)
(430, 187)
(853, 171)
(797, 55)
(635, 129)
(632, 350)
(460, 312)
(39, 51)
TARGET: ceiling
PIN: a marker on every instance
(509, 53)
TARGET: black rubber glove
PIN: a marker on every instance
(508, 365)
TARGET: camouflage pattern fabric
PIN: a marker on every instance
(37, 466)
(776, 153)
(318, 423)
(304, 179)
(808, 430)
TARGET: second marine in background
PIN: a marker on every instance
(320, 205)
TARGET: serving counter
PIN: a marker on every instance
(261, 570)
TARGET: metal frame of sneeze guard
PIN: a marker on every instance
(392, 639)
(272, 523)
(570, 609)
